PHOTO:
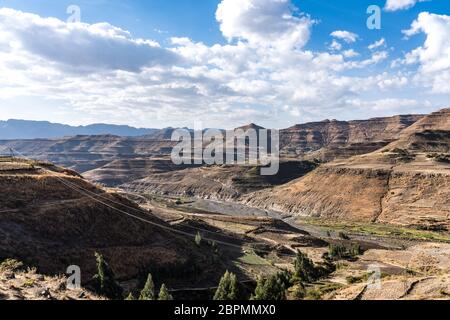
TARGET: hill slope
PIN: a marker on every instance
(218, 182)
(52, 218)
(405, 183)
(328, 140)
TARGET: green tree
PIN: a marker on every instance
(148, 293)
(271, 288)
(327, 266)
(355, 250)
(337, 251)
(305, 271)
(164, 294)
(228, 288)
(105, 281)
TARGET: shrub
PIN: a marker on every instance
(29, 283)
(11, 265)
(298, 291)
(319, 291)
(337, 251)
(327, 266)
(355, 250)
(130, 297)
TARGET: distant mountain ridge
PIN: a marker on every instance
(26, 129)
(110, 148)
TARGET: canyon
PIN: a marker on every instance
(382, 184)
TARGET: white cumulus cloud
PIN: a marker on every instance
(266, 75)
(395, 5)
(80, 45)
(347, 36)
(434, 55)
(264, 22)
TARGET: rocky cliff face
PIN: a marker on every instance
(328, 140)
(406, 183)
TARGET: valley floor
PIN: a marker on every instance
(396, 263)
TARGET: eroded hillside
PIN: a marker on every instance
(328, 140)
(405, 183)
(218, 182)
(52, 218)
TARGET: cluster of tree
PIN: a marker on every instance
(274, 287)
(148, 292)
(105, 284)
(337, 252)
(228, 288)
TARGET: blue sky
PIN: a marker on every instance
(228, 92)
(196, 18)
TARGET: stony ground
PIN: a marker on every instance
(18, 283)
(417, 273)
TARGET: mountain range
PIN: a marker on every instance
(25, 129)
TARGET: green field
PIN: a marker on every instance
(381, 230)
